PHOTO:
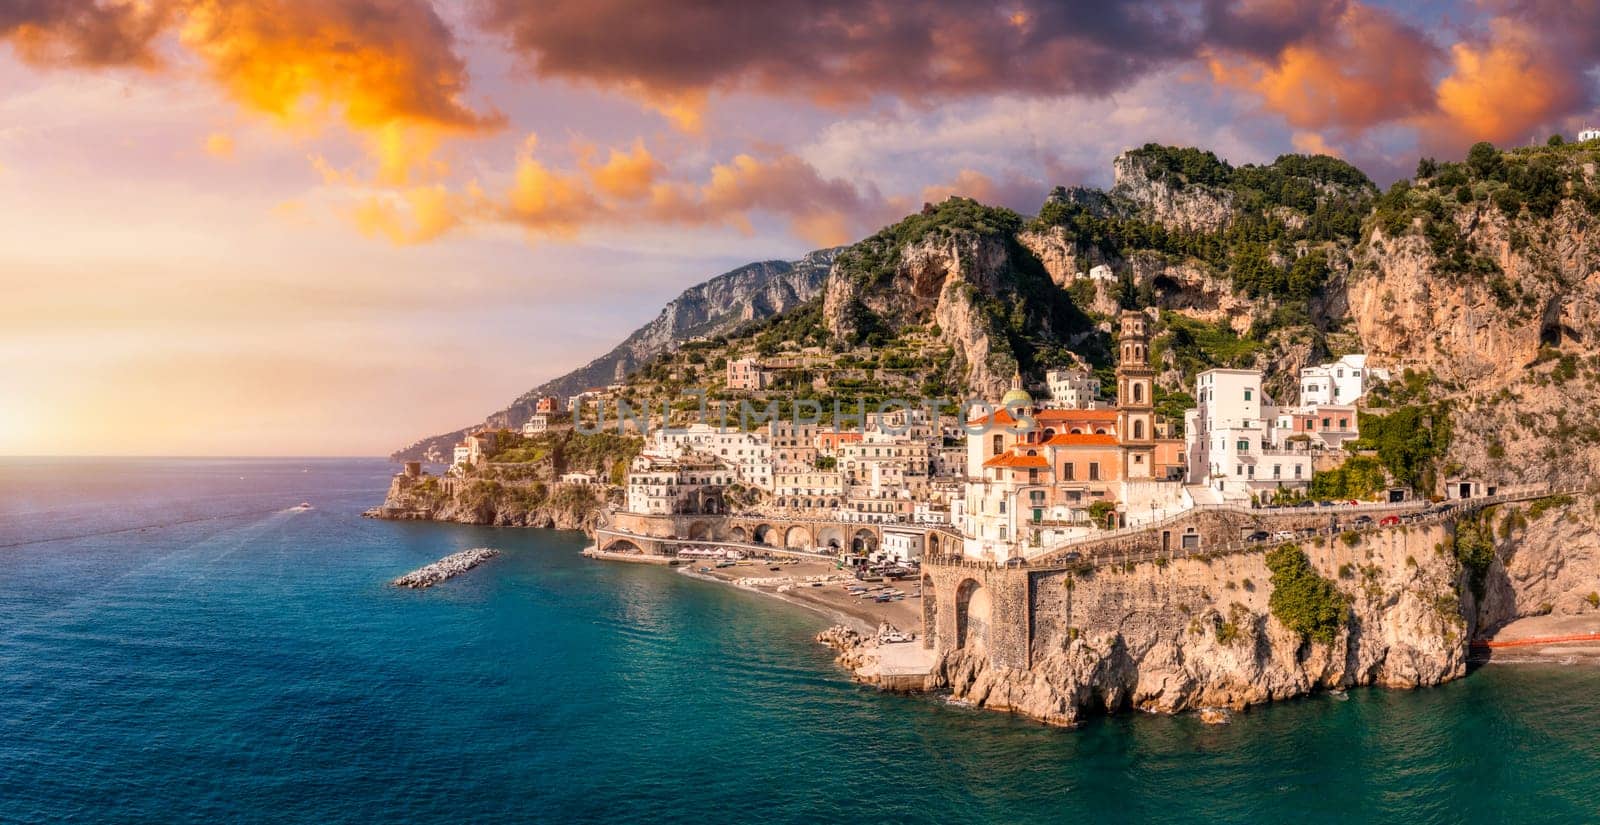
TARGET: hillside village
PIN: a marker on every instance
(1053, 461)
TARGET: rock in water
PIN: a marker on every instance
(452, 565)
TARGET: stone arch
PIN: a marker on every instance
(974, 612)
(864, 541)
(1049, 433)
(797, 536)
(830, 537)
(765, 534)
(930, 612)
(698, 530)
(623, 546)
(739, 535)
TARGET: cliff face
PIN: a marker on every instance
(1195, 634)
(721, 305)
(1196, 206)
(502, 504)
(958, 266)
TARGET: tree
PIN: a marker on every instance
(1485, 160)
(1556, 140)
(1427, 168)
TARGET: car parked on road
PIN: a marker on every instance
(1259, 535)
(1389, 521)
(1361, 521)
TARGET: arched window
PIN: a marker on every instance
(1138, 430)
(999, 444)
(1138, 392)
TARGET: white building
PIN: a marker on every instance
(1102, 273)
(1340, 382)
(748, 453)
(660, 486)
(1074, 388)
(1588, 133)
(536, 423)
(900, 545)
(1232, 444)
(580, 479)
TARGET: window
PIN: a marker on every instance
(1138, 430)
(1138, 392)
(1277, 471)
(1297, 471)
(1344, 423)
(1094, 471)
(1325, 422)
(1243, 446)
(1247, 395)
(1002, 507)
(1068, 471)
(999, 443)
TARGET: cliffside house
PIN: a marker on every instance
(536, 423)
(1343, 381)
(747, 374)
(1073, 388)
(547, 405)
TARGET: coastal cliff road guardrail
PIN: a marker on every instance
(1128, 538)
(1450, 510)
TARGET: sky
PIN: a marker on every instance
(331, 227)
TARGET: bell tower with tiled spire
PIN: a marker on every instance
(1135, 398)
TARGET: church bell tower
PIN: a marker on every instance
(1135, 398)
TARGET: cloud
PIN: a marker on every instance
(1350, 68)
(841, 51)
(1526, 73)
(627, 175)
(85, 32)
(219, 145)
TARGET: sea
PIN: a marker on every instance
(178, 645)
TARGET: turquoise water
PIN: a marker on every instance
(232, 661)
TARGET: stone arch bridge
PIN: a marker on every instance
(662, 535)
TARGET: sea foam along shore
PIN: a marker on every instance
(450, 566)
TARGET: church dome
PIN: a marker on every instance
(1016, 397)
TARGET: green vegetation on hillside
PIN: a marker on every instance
(1298, 199)
(1302, 600)
(1360, 477)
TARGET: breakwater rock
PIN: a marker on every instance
(448, 567)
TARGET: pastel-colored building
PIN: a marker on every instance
(747, 374)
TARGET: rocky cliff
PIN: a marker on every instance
(1194, 634)
(718, 306)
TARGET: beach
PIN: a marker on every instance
(820, 586)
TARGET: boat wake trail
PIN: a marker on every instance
(134, 529)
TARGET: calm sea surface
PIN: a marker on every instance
(176, 646)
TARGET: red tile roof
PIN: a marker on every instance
(1082, 440)
(1015, 460)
